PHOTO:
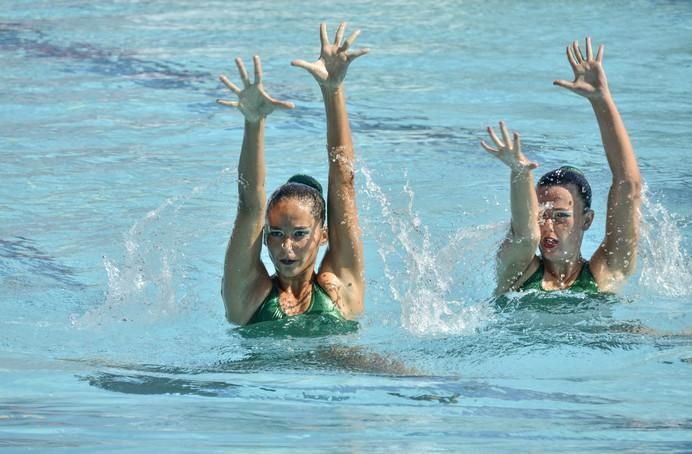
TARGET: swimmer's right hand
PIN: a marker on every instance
(508, 151)
(253, 101)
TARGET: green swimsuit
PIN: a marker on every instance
(585, 282)
(270, 309)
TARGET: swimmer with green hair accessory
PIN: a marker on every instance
(554, 216)
(292, 224)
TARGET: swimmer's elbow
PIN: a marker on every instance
(525, 237)
(233, 314)
(234, 319)
(628, 188)
(353, 311)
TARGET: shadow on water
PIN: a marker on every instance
(273, 360)
(20, 258)
(442, 390)
(108, 62)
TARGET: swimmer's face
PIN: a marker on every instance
(562, 220)
(293, 236)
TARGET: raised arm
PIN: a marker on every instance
(341, 271)
(615, 258)
(518, 250)
(245, 279)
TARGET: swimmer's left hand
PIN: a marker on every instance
(330, 69)
(589, 77)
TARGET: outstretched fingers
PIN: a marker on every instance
(564, 84)
(577, 52)
(318, 72)
(572, 59)
(243, 72)
(303, 64)
(274, 102)
(505, 134)
(227, 103)
(353, 55)
(517, 141)
(339, 34)
(230, 85)
(488, 148)
(258, 69)
(589, 51)
(349, 41)
(599, 55)
(282, 104)
(324, 37)
(494, 137)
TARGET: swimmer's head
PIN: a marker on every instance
(305, 189)
(568, 175)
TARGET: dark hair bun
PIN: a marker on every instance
(307, 180)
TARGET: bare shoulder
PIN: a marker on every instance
(607, 279)
(517, 280)
(346, 294)
(530, 270)
(242, 297)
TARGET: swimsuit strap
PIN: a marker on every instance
(585, 281)
(270, 309)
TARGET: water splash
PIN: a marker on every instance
(430, 271)
(666, 268)
(142, 287)
(149, 285)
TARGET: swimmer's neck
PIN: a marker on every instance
(558, 274)
(296, 285)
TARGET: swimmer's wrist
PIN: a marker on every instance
(254, 122)
(519, 172)
(329, 92)
(602, 102)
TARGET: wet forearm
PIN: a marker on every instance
(616, 141)
(524, 205)
(251, 171)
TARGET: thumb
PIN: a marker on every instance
(564, 83)
(302, 64)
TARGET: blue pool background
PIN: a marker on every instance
(117, 197)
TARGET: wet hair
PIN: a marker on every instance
(568, 175)
(304, 188)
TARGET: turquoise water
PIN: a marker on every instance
(118, 195)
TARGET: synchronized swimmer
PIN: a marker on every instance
(297, 221)
(292, 224)
(555, 215)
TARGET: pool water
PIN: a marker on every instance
(118, 196)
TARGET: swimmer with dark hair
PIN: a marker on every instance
(554, 215)
(297, 220)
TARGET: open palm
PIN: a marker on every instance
(589, 77)
(508, 150)
(330, 69)
(253, 101)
